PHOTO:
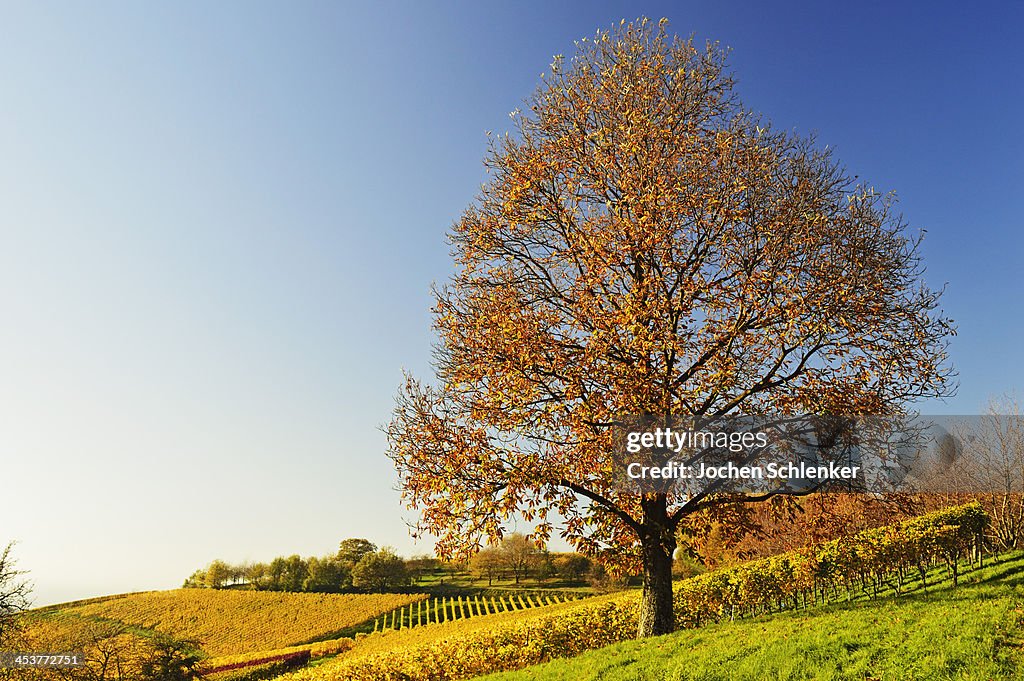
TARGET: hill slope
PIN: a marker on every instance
(972, 632)
(232, 622)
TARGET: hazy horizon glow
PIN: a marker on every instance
(219, 224)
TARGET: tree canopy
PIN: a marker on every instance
(644, 244)
(380, 571)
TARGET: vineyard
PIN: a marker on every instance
(234, 622)
(447, 609)
(860, 567)
(869, 563)
(249, 635)
(306, 652)
(971, 633)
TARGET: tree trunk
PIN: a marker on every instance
(658, 543)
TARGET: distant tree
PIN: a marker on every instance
(197, 580)
(421, 565)
(718, 547)
(352, 550)
(487, 563)
(685, 566)
(239, 573)
(518, 555)
(276, 574)
(380, 571)
(295, 573)
(544, 568)
(602, 580)
(990, 467)
(454, 567)
(257, 576)
(217, 574)
(326, 575)
(14, 595)
(572, 567)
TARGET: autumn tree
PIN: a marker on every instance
(113, 651)
(486, 563)
(646, 245)
(518, 555)
(170, 659)
(217, 574)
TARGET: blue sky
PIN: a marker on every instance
(219, 223)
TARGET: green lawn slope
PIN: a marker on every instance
(974, 631)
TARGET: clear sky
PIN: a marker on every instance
(219, 223)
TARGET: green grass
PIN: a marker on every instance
(974, 631)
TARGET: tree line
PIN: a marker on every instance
(359, 565)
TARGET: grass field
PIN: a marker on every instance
(972, 632)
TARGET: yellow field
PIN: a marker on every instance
(235, 622)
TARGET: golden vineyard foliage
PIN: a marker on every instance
(232, 622)
(449, 608)
(468, 648)
(315, 650)
(416, 614)
(421, 652)
(869, 562)
(645, 244)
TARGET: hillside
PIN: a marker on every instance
(973, 632)
(234, 622)
(909, 600)
(926, 555)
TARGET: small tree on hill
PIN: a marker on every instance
(421, 565)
